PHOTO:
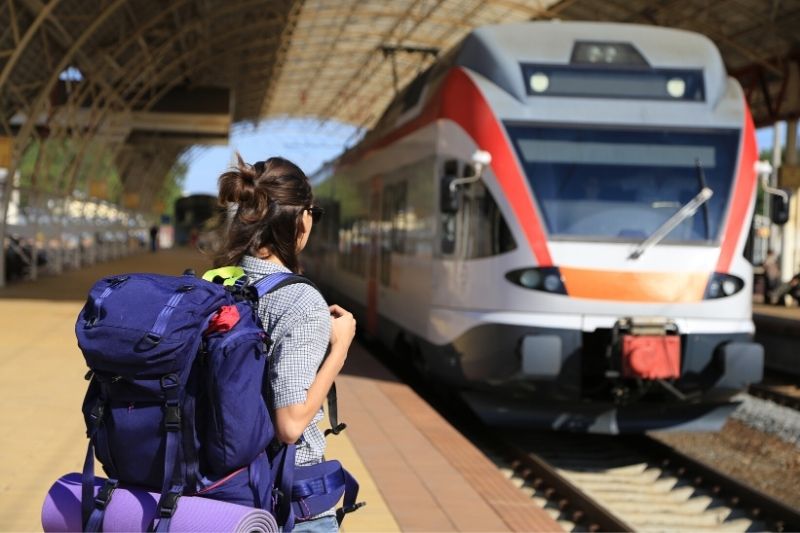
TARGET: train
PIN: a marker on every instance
(192, 213)
(550, 220)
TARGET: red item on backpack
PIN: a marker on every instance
(223, 320)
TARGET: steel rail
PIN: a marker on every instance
(766, 392)
(569, 499)
(777, 515)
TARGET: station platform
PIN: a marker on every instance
(778, 330)
(417, 473)
(763, 311)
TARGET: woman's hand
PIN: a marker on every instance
(343, 327)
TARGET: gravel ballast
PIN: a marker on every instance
(759, 444)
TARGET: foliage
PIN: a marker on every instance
(173, 187)
(55, 170)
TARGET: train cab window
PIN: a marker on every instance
(623, 184)
(471, 223)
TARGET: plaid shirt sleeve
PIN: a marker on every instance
(298, 353)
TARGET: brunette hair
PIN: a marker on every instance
(262, 207)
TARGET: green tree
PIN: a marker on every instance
(172, 189)
(54, 172)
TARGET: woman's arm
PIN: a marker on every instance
(292, 420)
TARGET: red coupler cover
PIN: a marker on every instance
(651, 356)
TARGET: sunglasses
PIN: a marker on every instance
(316, 213)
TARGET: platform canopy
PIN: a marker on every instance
(146, 79)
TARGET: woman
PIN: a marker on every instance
(270, 217)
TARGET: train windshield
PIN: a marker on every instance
(622, 185)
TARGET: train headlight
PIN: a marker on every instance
(539, 82)
(530, 279)
(729, 287)
(721, 285)
(552, 282)
(676, 87)
(547, 279)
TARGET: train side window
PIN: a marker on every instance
(448, 207)
(471, 222)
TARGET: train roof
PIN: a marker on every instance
(497, 51)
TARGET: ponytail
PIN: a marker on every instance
(262, 205)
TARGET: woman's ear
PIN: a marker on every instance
(303, 230)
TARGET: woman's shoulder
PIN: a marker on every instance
(300, 297)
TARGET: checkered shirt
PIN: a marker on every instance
(298, 321)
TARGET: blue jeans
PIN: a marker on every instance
(324, 524)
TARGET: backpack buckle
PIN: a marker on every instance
(335, 430)
(103, 497)
(152, 338)
(97, 412)
(169, 381)
(118, 280)
(172, 418)
(347, 509)
(169, 503)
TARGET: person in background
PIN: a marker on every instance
(772, 276)
(153, 238)
(791, 289)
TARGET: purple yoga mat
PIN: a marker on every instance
(134, 509)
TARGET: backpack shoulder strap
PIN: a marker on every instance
(277, 280)
(273, 282)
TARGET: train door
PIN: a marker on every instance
(374, 256)
(404, 258)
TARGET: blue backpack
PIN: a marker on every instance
(175, 404)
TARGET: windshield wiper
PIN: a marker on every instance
(672, 222)
(701, 178)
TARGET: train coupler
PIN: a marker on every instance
(646, 348)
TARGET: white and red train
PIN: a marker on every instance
(591, 277)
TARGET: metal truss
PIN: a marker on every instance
(79, 71)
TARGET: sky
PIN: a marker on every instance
(308, 143)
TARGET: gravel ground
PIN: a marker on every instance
(773, 419)
(765, 461)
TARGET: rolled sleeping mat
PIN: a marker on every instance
(132, 509)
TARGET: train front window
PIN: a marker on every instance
(622, 185)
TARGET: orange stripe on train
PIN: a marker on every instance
(656, 287)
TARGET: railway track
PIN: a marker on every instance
(786, 395)
(637, 484)
(612, 483)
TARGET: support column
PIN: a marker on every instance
(789, 174)
(7, 160)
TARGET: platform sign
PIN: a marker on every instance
(789, 176)
(6, 151)
(130, 200)
(98, 189)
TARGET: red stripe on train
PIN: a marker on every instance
(463, 103)
(742, 194)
